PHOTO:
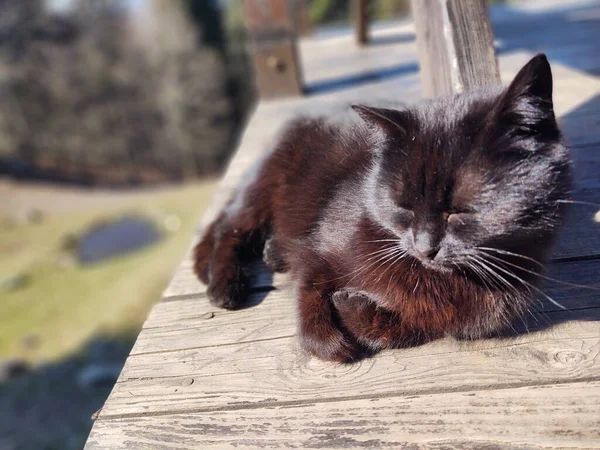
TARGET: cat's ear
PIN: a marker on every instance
(388, 121)
(534, 80)
(527, 102)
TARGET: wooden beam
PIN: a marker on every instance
(456, 46)
(302, 17)
(272, 34)
(361, 17)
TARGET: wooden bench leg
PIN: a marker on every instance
(455, 44)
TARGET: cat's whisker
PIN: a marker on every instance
(505, 318)
(566, 283)
(494, 275)
(578, 202)
(385, 240)
(515, 292)
(382, 250)
(525, 283)
(506, 252)
(484, 278)
(491, 280)
(366, 265)
(399, 257)
(518, 255)
(387, 260)
(491, 275)
(376, 255)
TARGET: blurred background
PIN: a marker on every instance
(116, 119)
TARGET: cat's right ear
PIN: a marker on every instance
(388, 121)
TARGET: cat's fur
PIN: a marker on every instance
(413, 225)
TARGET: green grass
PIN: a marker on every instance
(66, 307)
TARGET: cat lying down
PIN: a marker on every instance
(406, 226)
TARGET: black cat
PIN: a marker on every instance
(412, 225)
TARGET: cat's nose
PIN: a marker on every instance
(425, 246)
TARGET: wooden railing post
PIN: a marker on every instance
(361, 18)
(455, 44)
(302, 13)
(271, 28)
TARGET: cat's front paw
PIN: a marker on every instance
(352, 305)
(330, 344)
(373, 327)
(228, 293)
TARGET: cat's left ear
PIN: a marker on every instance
(388, 121)
(527, 102)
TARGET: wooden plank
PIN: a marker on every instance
(455, 45)
(555, 416)
(251, 373)
(194, 323)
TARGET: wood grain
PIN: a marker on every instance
(456, 46)
(251, 373)
(555, 416)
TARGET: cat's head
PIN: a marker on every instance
(470, 175)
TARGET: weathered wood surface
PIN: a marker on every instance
(456, 46)
(554, 416)
(200, 377)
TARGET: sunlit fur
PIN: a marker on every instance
(404, 226)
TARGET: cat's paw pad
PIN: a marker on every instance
(273, 257)
(229, 294)
(332, 346)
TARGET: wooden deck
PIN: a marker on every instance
(201, 377)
